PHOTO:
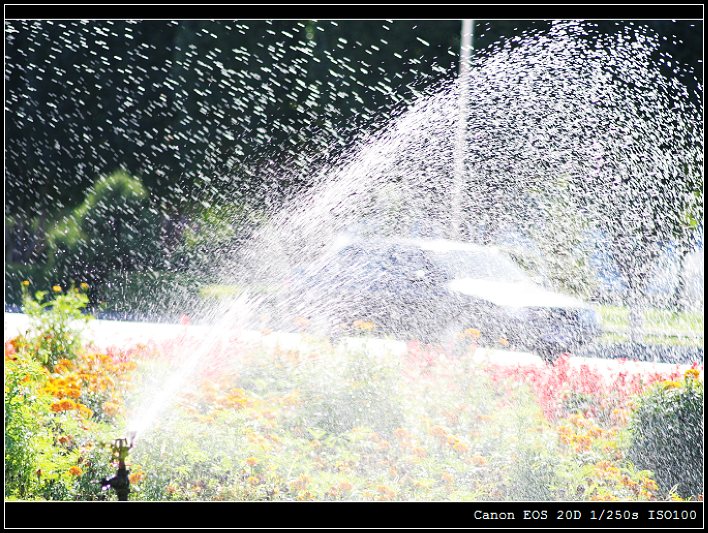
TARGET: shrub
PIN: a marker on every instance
(54, 332)
(667, 434)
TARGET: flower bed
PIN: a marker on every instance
(253, 421)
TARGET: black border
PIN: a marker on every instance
(355, 11)
(558, 515)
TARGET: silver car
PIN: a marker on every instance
(433, 289)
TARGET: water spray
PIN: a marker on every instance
(121, 481)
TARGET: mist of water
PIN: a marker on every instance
(573, 140)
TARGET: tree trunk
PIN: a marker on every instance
(677, 300)
(636, 322)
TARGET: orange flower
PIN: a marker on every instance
(76, 471)
(136, 477)
(650, 484)
(62, 365)
(63, 405)
(110, 408)
(10, 350)
(479, 460)
(439, 431)
(251, 461)
(301, 322)
(420, 452)
(385, 493)
(401, 434)
(65, 439)
(301, 482)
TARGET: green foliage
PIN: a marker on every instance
(55, 324)
(213, 233)
(112, 229)
(667, 435)
(22, 426)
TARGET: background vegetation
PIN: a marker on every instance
(123, 137)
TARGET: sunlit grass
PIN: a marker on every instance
(660, 326)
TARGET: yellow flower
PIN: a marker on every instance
(56, 288)
(305, 495)
(84, 285)
(473, 333)
(251, 461)
(253, 480)
(76, 471)
(85, 411)
(460, 447)
(237, 399)
(26, 283)
(672, 385)
(364, 325)
(692, 373)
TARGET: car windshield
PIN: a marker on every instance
(479, 265)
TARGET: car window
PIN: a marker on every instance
(479, 265)
(378, 265)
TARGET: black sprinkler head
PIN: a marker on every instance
(120, 482)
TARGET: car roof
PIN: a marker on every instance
(432, 245)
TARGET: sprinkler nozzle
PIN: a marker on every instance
(120, 482)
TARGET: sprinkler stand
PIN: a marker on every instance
(120, 482)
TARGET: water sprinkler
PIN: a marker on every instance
(120, 482)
